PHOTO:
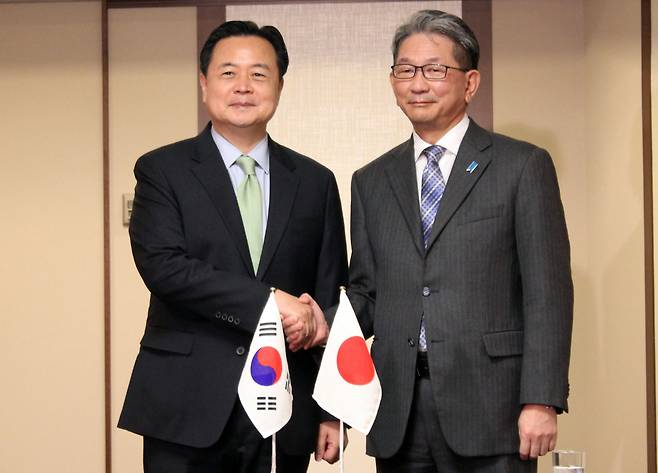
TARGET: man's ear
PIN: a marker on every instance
(472, 84)
(203, 82)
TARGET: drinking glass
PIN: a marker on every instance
(568, 461)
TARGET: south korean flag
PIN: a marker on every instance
(264, 389)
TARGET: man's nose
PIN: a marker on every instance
(418, 82)
(243, 84)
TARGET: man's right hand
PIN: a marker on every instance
(321, 327)
(296, 318)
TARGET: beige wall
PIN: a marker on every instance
(337, 105)
(51, 274)
(566, 76)
(610, 366)
(153, 101)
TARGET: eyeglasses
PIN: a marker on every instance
(430, 71)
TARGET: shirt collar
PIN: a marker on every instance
(451, 141)
(259, 153)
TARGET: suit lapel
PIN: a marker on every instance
(475, 148)
(214, 178)
(283, 188)
(402, 176)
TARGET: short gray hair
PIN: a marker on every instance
(467, 49)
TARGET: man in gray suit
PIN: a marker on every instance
(461, 271)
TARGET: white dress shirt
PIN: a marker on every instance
(451, 141)
(260, 153)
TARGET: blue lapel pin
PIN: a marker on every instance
(471, 167)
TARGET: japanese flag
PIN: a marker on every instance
(264, 389)
(347, 385)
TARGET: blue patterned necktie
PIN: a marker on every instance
(432, 187)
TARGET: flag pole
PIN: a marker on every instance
(273, 453)
(341, 441)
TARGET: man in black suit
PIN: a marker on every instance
(217, 220)
(460, 269)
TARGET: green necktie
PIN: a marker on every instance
(250, 201)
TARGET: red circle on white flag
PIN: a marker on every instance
(354, 362)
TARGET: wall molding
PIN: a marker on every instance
(649, 276)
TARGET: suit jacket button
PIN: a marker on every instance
(426, 291)
(239, 351)
(218, 315)
(223, 316)
(230, 319)
(236, 321)
(411, 342)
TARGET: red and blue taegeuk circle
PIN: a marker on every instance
(266, 366)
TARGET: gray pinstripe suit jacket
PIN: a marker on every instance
(494, 285)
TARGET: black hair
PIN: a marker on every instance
(245, 28)
(467, 48)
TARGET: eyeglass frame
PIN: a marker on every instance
(422, 68)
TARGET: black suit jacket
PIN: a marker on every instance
(494, 285)
(190, 248)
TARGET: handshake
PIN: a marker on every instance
(302, 319)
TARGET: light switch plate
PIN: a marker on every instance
(127, 207)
